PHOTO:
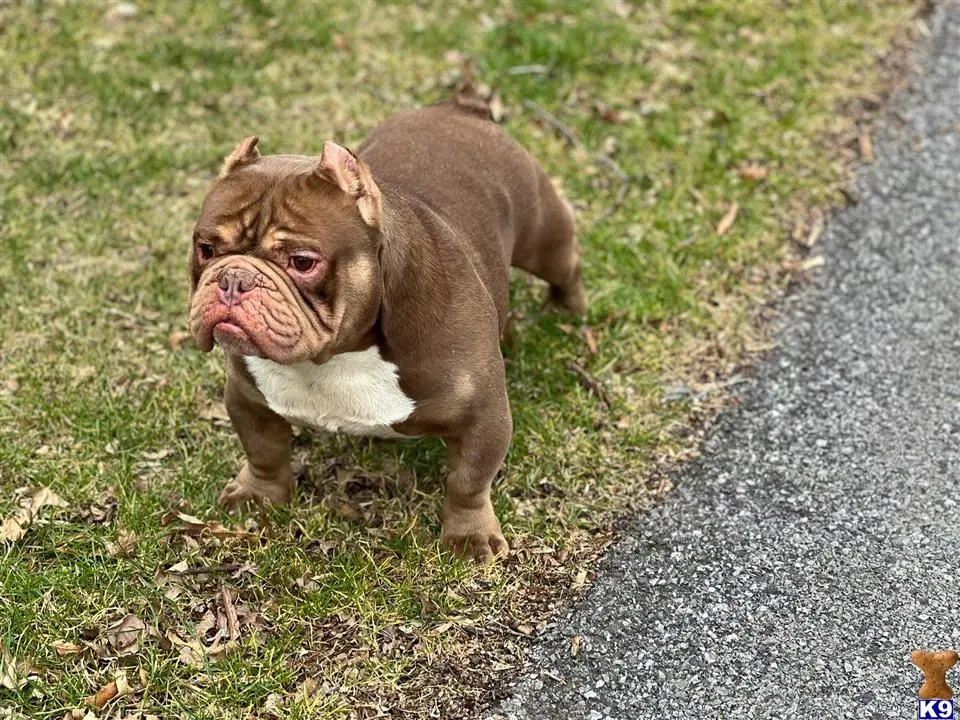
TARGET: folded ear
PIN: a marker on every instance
(243, 154)
(342, 168)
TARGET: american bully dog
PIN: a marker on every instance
(366, 292)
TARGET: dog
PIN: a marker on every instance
(366, 293)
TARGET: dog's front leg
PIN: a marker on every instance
(266, 437)
(470, 527)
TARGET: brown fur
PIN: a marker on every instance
(413, 236)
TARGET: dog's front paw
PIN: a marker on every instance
(247, 490)
(472, 532)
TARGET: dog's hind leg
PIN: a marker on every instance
(552, 253)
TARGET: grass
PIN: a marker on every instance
(112, 128)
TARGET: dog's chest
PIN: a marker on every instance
(357, 393)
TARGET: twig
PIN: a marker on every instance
(510, 629)
(611, 165)
(229, 567)
(590, 383)
(617, 202)
(231, 612)
(528, 70)
(550, 119)
(599, 158)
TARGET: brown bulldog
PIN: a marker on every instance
(366, 293)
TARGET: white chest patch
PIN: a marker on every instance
(356, 392)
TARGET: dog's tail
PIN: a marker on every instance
(467, 96)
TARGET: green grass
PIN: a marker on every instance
(113, 128)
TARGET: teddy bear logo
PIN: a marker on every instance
(935, 665)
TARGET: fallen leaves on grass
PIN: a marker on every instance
(609, 114)
(223, 622)
(16, 524)
(102, 510)
(798, 269)
(753, 171)
(590, 340)
(10, 675)
(66, 649)
(125, 635)
(816, 230)
(123, 545)
(190, 525)
(117, 687)
(726, 222)
(215, 412)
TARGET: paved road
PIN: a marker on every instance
(816, 542)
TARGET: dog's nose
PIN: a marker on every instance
(234, 283)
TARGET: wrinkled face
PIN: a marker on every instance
(283, 265)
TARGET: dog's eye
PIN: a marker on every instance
(302, 263)
(205, 251)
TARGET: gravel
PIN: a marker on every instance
(816, 541)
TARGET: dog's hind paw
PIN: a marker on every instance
(246, 490)
(473, 533)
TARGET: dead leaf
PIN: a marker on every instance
(753, 171)
(191, 525)
(579, 580)
(610, 146)
(13, 528)
(179, 567)
(123, 686)
(103, 508)
(126, 634)
(10, 676)
(46, 497)
(104, 695)
(726, 222)
(609, 114)
(16, 524)
(65, 649)
(454, 57)
(866, 148)
(441, 628)
(157, 455)
(813, 262)
(123, 545)
(345, 510)
(207, 623)
(815, 232)
(273, 704)
(575, 645)
(82, 373)
(589, 340)
(233, 632)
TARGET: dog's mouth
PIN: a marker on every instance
(234, 339)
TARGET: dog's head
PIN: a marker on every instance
(284, 260)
